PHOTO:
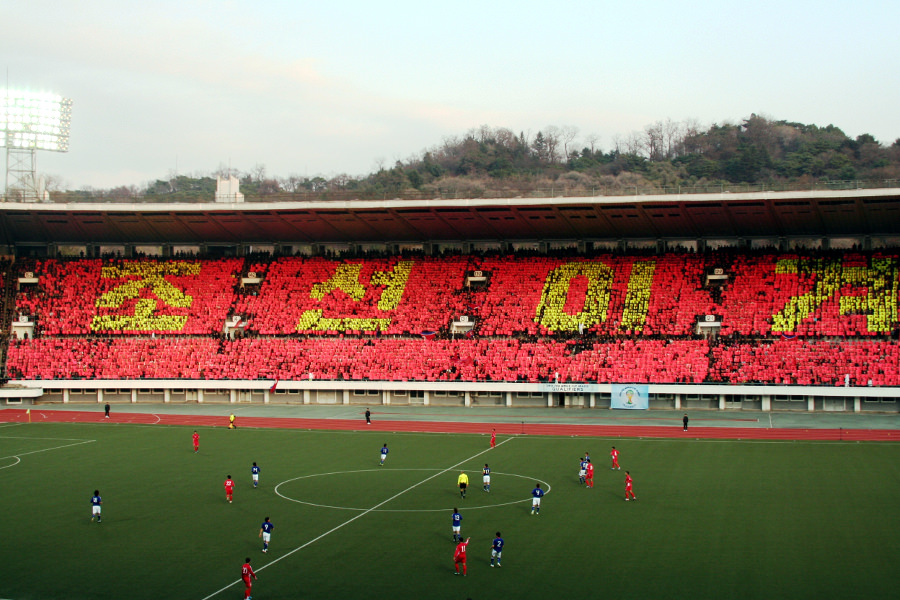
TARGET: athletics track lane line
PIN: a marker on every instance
(362, 514)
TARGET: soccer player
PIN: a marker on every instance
(614, 454)
(486, 477)
(254, 472)
(456, 525)
(96, 501)
(494, 438)
(590, 474)
(496, 549)
(463, 482)
(536, 494)
(628, 489)
(582, 469)
(196, 439)
(384, 453)
(246, 574)
(229, 488)
(459, 556)
(265, 532)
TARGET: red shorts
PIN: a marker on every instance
(460, 560)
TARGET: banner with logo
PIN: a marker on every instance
(631, 396)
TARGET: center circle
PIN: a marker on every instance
(547, 489)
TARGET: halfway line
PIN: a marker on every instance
(45, 449)
(362, 514)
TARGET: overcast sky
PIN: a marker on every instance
(323, 88)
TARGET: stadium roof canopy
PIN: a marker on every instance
(687, 216)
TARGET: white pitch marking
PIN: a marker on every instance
(362, 514)
(46, 449)
(400, 510)
(10, 425)
(18, 460)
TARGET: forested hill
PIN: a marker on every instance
(497, 161)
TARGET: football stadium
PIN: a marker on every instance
(739, 349)
(304, 388)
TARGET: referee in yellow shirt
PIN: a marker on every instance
(463, 482)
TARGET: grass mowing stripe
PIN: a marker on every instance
(46, 449)
(362, 514)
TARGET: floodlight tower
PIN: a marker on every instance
(30, 122)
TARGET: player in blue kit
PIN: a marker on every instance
(582, 468)
(457, 524)
(486, 477)
(95, 505)
(254, 471)
(384, 453)
(265, 532)
(536, 494)
(496, 549)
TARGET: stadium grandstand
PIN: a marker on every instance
(733, 301)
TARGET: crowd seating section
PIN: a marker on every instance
(821, 319)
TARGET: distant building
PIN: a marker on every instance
(228, 189)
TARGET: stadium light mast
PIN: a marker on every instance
(30, 122)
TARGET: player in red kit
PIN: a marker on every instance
(494, 438)
(589, 474)
(628, 490)
(459, 555)
(614, 454)
(229, 488)
(246, 574)
(196, 439)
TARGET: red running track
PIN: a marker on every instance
(555, 429)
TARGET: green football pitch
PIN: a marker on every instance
(713, 519)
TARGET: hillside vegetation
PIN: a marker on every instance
(758, 152)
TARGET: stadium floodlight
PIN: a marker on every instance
(29, 122)
(35, 120)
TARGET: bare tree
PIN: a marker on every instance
(654, 141)
(258, 172)
(291, 183)
(634, 143)
(592, 139)
(506, 138)
(618, 143)
(673, 137)
(54, 183)
(225, 171)
(552, 139)
(568, 134)
(483, 134)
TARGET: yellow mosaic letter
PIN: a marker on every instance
(150, 275)
(550, 310)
